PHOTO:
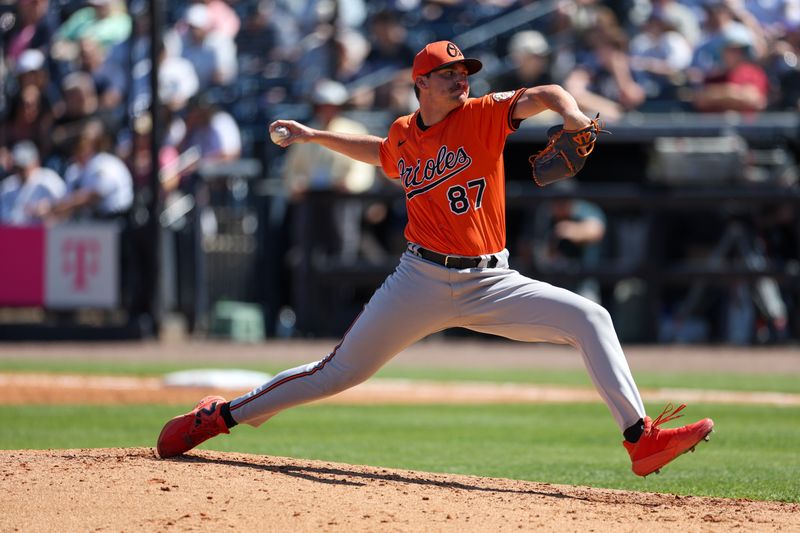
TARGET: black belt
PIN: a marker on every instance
(453, 261)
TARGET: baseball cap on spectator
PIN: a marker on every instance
(197, 16)
(329, 92)
(25, 154)
(528, 42)
(29, 61)
(738, 36)
(439, 55)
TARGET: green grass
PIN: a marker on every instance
(787, 383)
(752, 454)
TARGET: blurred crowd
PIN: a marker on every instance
(75, 93)
(76, 73)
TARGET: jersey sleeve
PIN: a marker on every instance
(388, 151)
(388, 159)
(495, 116)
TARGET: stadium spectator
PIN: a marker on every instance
(563, 42)
(352, 49)
(177, 77)
(742, 85)
(81, 106)
(104, 21)
(659, 56)
(779, 64)
(382, 81)
(603, 82)
(529, 65)
(33, 28)
(177, 81)
(177, 84)
(722, 17)
(566, 235)
(221, 18)
(317, 60)
(99, 185)
(310, 167)
(136, 154)
(342, 13)
(28, 119)
(266, 44)
(212, 131)
(212, 54)
(21, 192)
(774, 15)
(681, 18)
(35, 104)
(32, 69)
(269, 34)
(389, 41)
(110, 80)
(132, 56)
(586, 15)
(330, 27)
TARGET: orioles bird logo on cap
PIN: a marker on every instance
(452, 50)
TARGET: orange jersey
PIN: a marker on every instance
(453, 175)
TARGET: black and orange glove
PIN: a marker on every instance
(565, 153)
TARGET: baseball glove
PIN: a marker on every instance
(565, 153)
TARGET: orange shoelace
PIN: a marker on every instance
(669, 413)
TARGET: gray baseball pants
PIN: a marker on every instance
(420, 298)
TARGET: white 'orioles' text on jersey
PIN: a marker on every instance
(453, 175)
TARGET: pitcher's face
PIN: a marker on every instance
(450, 83)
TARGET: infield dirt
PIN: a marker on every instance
(132, 490)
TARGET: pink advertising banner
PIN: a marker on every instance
(22, 266)
(60, 267)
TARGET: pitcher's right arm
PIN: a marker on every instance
(360, 147)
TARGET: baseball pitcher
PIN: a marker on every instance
(448, 157)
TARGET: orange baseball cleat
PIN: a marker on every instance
(184, 432)
(657, 447)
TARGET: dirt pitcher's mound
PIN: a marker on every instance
(132, 490)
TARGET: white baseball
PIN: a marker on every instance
(279, 134)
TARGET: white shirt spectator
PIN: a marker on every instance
(212, 53)
(108, 176)
(177, 81)
(220, 139)
(214, 59)
(17, 197)
(226, 129)
(670, 47)
(310, 166)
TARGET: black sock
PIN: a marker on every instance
(225, 412)
(633, 433)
